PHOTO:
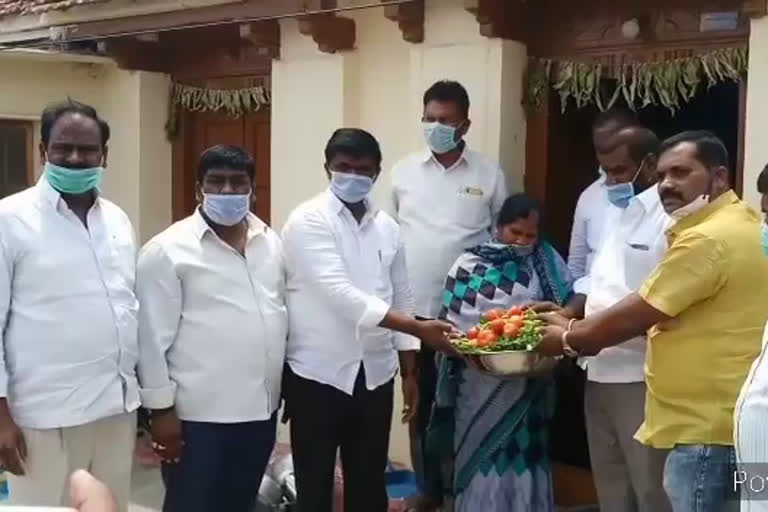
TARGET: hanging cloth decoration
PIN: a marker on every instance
(668, 83)
(234, 102)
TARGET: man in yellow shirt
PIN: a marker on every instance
(704, 310)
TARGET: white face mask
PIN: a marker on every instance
(691, 208)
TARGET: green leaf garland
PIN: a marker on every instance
(670, 83)
(235, 102)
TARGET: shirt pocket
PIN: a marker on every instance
(471, 210)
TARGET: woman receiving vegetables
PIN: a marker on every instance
(495, 430)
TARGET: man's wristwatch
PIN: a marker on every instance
(567, 349)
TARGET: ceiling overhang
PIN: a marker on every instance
(118, 18)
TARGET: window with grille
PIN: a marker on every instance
(16, 156)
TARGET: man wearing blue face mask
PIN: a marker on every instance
(628, 475)
(212, 332)
(351, 304)
(68, 355)
(445, 199)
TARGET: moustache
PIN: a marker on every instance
(669, 194)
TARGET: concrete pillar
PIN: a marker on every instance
(755, 147)
(139, 171)
(307, 105)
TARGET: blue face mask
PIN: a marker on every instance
(73, 181)
(441, 138)
(764, 237)
(226, 209)
(350, 188)
(621, 194)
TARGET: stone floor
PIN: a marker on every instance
(147, 491)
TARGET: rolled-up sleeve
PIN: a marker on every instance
(402, 300)
(312, 253)
(692, 271)
(159, 292)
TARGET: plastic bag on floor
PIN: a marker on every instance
(277, 492)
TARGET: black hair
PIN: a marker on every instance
(225, 157)
(762, 181)
(640, 142)
(354, 142)
(449, 91)
(519, 206)
(710, 150)
(56, 111)
(620, 116)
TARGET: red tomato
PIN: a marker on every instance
(494, 314)
(486, 339)
(515, 311)
(511, 330)
(472, 333)
(497, 326)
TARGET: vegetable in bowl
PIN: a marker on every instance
(514, 330)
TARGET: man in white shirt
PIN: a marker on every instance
(445, 199)
(350, 303)
(628, 474)
(589, 217)
(68, 313)
(212, 333)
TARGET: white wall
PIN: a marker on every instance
(755, 146)
(134, 104)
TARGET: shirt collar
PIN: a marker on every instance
(648, 198)
(337, 207)
(465, 156)
(255, 225)
(52, 196)
(698, 217)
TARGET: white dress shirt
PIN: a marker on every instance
(213, 323)
(750, 432)
(68, 310)
(633, 245)
(343, 278)
(442, 212)
(587, 232)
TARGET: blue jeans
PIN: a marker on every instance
(699, 478)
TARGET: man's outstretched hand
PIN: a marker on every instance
(437, 335)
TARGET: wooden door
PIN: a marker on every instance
(201, 130)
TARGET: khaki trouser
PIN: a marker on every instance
(104, 447)
(628, 475)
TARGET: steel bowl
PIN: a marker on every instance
(514, 363)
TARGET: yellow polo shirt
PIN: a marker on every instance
(713, 282)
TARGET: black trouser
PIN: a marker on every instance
(324, 419)
(426, 465)
(221, 466)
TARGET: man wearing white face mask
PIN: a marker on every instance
(68, 315)
(212, 332)
(351, 304)
(445, 199)
(704, 312)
